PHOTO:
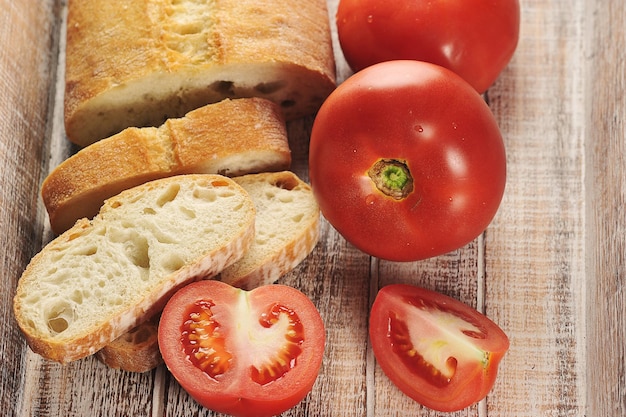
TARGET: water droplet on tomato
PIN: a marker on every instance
(370, 18)
(454, 125)
(370, 199)
(419, 129)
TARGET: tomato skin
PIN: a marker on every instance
(473, 377)
(234, 392)
(429, 117)
(474, 38)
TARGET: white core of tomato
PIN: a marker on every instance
(257, 343)
(438, 336)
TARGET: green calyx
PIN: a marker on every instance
(392, 177)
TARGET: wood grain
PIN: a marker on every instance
(535, 249)
(28, 31)
(550, 269)
(605, 182)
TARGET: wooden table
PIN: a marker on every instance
(550, 269)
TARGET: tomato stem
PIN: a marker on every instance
(392, 177)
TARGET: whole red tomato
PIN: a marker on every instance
(474, 38)
(438, 351)
(407, 161)
(244, 353)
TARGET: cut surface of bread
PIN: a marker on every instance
(287, 229)
(137, 63)
(101, 278)
(232, 138)
(134, 351)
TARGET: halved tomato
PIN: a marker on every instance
(437, 350)
(244, 353)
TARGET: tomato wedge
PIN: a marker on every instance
(438, 351)
(244, 353)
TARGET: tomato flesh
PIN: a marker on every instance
(437, 350)
(244, 353)
(202, 342)
(286, 355)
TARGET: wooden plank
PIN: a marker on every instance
(27, 30)
(534, 250)
(605, 161)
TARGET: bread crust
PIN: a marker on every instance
(232, 138)
(135, 351)
(161, 59)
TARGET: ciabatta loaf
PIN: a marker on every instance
(103, 277)
(232, 137)
(287, 229)
(137, 63)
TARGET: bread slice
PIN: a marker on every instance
(286, 229)
(134, 351)
(103, 277)
(137, 63)
(232, 137)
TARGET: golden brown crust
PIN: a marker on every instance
(135, 351)
(232, 137)
(138, 63)
(205, 136)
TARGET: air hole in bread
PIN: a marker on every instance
(226, 88)
(205, 194)
(149, 210)
(172, 262)
(165, 238)
(286, 183)
(271, 87)
(77, 296)
(57, 325)
(137, 251)
(86, 251)
(59, 317)
(168, 195)
(298, 218)
(57, 256)
(188, 213)
(118, 301)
